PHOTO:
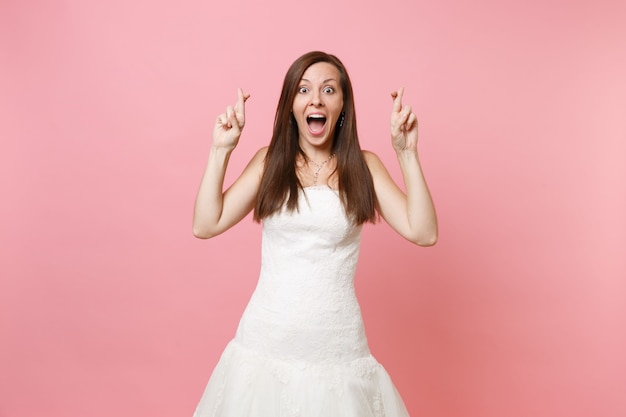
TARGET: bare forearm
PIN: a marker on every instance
(210, 198)
(421, 215)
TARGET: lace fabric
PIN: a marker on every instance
(300, 349)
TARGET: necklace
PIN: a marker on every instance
(319, 167)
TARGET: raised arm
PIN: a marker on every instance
(412, 214)
(215, 210)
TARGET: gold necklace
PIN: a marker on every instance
(319, 167)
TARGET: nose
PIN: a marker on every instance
(316, 99)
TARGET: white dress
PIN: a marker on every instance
(300, 349)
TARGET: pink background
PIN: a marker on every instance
(109, 306)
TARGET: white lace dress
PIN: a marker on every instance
(300, 349)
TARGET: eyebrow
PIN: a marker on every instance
(325, 81)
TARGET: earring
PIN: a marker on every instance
(343, 117)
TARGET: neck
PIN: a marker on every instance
(320, 160)
(316, 153)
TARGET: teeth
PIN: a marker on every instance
(316, 116)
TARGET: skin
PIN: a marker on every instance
(411, 214)
(319, 93)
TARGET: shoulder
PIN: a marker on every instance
(259, 158)
(256, 166)
(378, 170)
(372, 160)
(260, 154)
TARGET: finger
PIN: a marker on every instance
(241, 98)
(230, 116)
(221, 119)
(411, 122)
(403, 116)
(234, 120)
(241, 95)
(240, 107)
(397, 99)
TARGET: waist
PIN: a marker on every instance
(335, 342)
(312, 304)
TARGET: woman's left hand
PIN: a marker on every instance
(403, 124)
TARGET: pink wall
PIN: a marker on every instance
(109, 306)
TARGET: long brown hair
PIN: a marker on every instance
(280, 181)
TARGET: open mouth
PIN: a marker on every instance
(316, 123)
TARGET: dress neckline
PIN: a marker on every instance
(319, 187)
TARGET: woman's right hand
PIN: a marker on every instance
(229, 124)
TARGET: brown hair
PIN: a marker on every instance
(280, 181)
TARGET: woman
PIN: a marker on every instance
(300, 348)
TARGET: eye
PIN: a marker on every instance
(303, 90)
(328, 90)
